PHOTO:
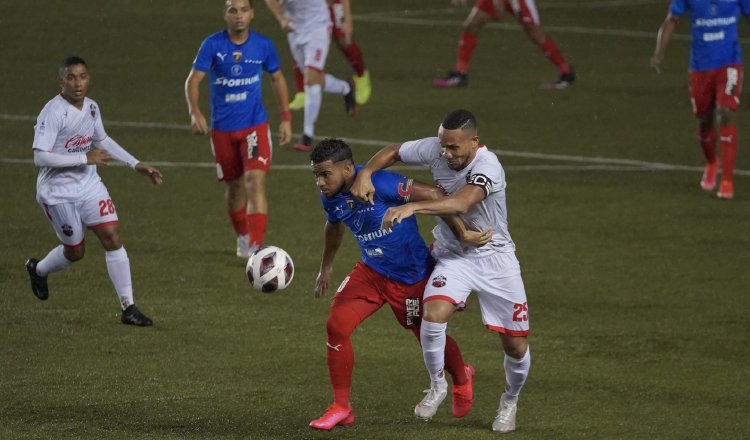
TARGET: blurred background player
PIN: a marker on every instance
(235, 59)
(715, 79)
(393, 270)
(308, 27)
(474, 180)
(70, 191)
(527, 14)
(343, 31)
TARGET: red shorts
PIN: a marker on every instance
(720, 86)
(365, 291)
(525, 11)
(239, 151)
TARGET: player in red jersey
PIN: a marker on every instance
(526, 13)
(342, 33)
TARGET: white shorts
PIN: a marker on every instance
(69, 219)
(310, 49)
(496, 278)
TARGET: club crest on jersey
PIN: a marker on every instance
(237, 55)
(439, 281)
(350, 203)
(93, 111)
(67, 230)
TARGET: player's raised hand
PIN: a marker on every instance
(321, 283)
(198, 123)
(153, 174)
(363, 189)
(655, 63)
(285, 132)
(396, 215)
(97, 156)
(477, 238)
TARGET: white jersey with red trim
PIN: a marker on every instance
(63, 129)
(484, 171)
(307, 15)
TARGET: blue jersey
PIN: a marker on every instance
(398, 253)
(235, 72)
(715, 39)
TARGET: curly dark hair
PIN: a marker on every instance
(331, 149)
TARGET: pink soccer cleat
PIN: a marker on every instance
(726, 190)
(463, 395)
(708, 181)
(334, 415)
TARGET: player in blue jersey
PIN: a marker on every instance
(715, 78)
(235, 60)
(393, 270)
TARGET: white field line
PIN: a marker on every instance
(595, 163)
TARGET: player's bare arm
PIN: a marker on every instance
(278, 11)
(362, 187)
(153, 174)
(663, 37)
(459, 203)
(422, 192)
(334, 234)
(192, 96)
(278, 82)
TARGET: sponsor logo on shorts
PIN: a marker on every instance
(439, 281)
(67, 230)
(412, 311)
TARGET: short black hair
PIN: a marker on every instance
(331, 149)
(71, 61)
(460, 118)
(227, 1)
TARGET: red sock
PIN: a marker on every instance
(550, 50)
(239, 221)
(728, 143)
(299, 79)
(341, 323)
(257, 226)
(708, 144)
(466, 44)
(353, 54)
(454, 362)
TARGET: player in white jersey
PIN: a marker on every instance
(308, 27)
(70, 191)
(475, 183)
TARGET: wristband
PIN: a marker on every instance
(286, 116)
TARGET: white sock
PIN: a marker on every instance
(118, 266)
(516, 372)
(432, 337)
(53, 262)
(313, 99)
(337, 86)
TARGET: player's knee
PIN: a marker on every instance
(74, 253)
(340, 325)
(514, 347)
(724, 115)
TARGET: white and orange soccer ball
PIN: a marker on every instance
(270, 269)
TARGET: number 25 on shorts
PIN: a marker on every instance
(521, 312)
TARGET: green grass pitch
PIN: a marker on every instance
(637, 281)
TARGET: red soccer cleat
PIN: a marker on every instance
(334, 415)
(726, 190)
(463, 395)
(708, 181)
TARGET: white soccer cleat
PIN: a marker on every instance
(431, 402)
(244, 249)
(506, 414)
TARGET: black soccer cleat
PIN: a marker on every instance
(38, 283)
(350, 101)
(453, 79)
(133, 316)
(565, 81)
(305, 143)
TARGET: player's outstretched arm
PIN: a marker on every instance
(458, 203)
(153, 174)
(663, 37)
(334, 235)
(192, 96)
(278, 11)
(362, 188)
(278, 82)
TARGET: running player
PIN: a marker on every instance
(475, 181)
(527, 14)
(393, 270)
(343, 30)
(715, 79)
(70, 191)
(241, 142)
(308, 27)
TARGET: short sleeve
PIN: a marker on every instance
(48, 125)
(487, 174)
(392, 187)
(204, 60)
(678, 8)
(420, 152)
(271, 63)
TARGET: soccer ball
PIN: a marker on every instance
(270, 269)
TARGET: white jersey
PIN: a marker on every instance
(307, 15)
(484, 171)
(63, 129)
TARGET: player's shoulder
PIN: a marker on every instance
(260, 38)
(57, 106)
(486, 155)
